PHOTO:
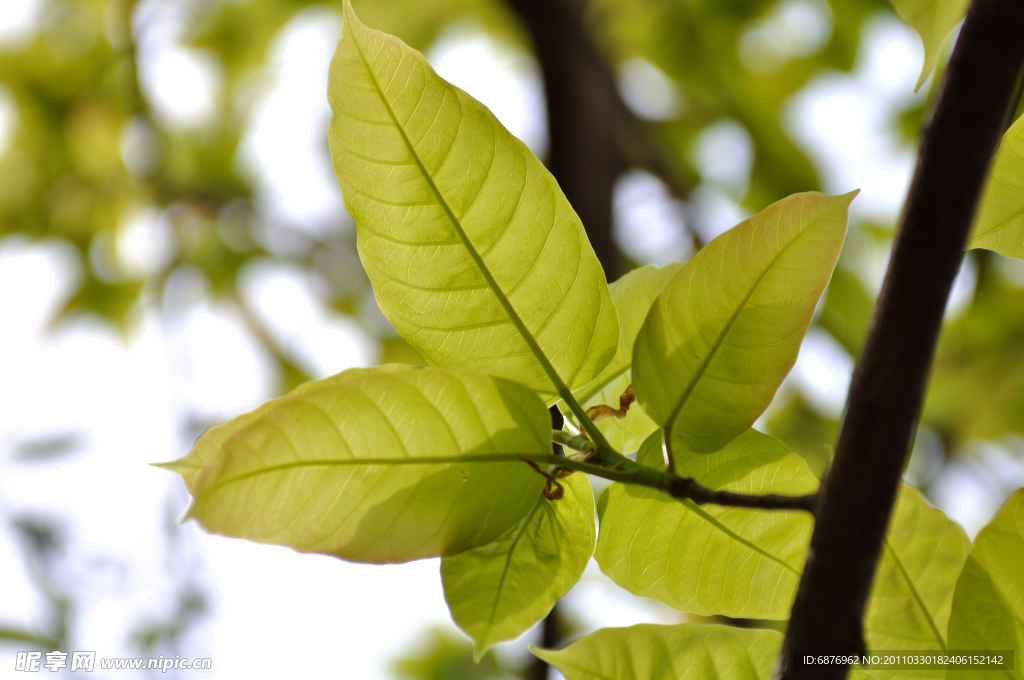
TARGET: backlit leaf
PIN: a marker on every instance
(632, 295)
(710, 559)
(727, 328)
(499, 590)
(933, 20)
(681, 652)
(923, 553)
(375, 465)
(473, 251)
(999, 224)
(988, 603)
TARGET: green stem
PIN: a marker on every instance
(574, 442)
(602, 449)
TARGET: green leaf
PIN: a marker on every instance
(681, 652)
(709, 559)
(999, 224)
(933, 20)
(847, 310)
(988, 603)
(499, 590)
(474, 253)
(727, 328)
(632, 295)
(913, 589)
(375, 465)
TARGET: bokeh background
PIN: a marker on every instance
(174, 251)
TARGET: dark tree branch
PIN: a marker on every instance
(594, 135)
(552, 635)
(638, 145)
(857, 496)
(583, 155)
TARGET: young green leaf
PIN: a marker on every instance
(910, 600)
(999, 223)
(473, 251)
(632, 295)
(681, 652)
(933, 20)
(499, 590)
(707, 559)
(375, 465)
(988, 603)
(727, 328)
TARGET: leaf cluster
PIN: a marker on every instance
(483, 267)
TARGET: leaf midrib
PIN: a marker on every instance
(531, 342)
(732, 320)
(519, 532)
(917, 596)
(351, 462)
(693, 507)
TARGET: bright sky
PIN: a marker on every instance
(119, 402)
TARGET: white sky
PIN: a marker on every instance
(126, 400)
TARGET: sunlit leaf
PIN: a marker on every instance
(375, 465)
(499, 590)
(726, 329)
(933, 20)
(913, 589)
(473, 251)
(632, 295)
(999, 224)
(988, 603)
(710, 559)
(681, 652)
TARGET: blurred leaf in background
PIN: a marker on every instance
(440, 655)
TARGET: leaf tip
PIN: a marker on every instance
(179, 466)
(350, 17)
(930, 57)
(479, 649)
(190, 513)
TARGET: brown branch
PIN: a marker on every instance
(886, 394)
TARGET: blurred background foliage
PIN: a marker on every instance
(685, 100)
